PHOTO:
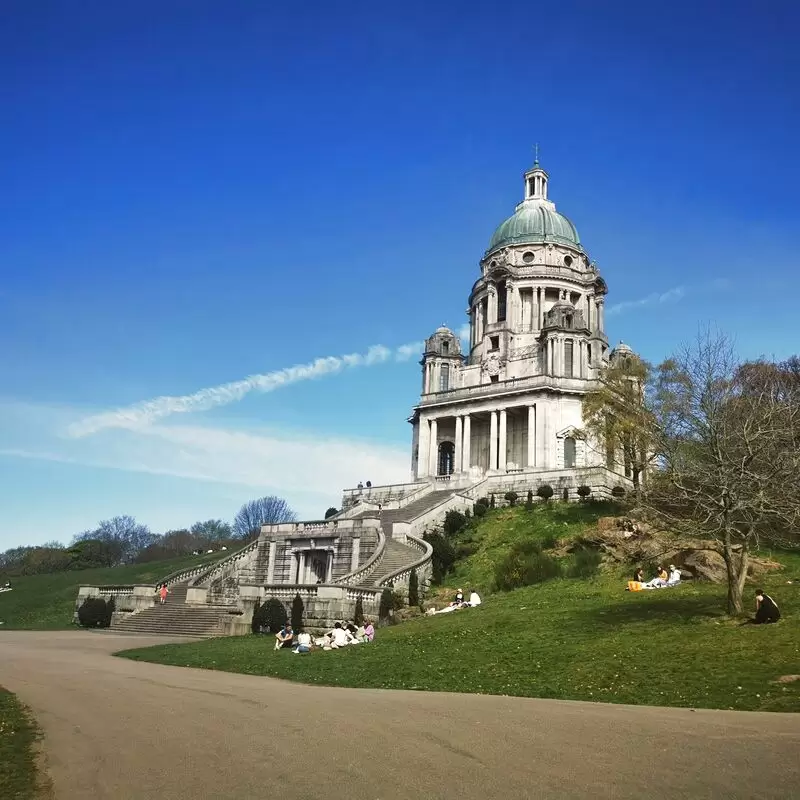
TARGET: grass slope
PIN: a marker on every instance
(18, 735)
(569, 639)
(46, 602)
(489, 538)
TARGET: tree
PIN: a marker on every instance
(413, 589)
(331, 512)
(443, 556)
(123, 538)
(728, 453)
(94, 613)
(511, 497)
(212, 530)
(618, 418)
(584, 491)
(358, 614)
(259, 617)
(274, 615)
(298, 608)
(454, 522)
(386, 607)
(268, 510)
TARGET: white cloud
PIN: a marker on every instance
(147, 412)
(656, 298)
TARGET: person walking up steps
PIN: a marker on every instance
(162, 593)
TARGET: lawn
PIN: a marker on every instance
(47, 602)
(18, 734)
(570, 639)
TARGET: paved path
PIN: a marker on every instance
(121, 729)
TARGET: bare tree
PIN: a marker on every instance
(123, 538)
(728, 450)
(263, 511)
(617, 416)
(212, 530)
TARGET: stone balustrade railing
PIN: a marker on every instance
(420, 565)
(506, 387)
(206, 572)
(360, 575)
(377, 494)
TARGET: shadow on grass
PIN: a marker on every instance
(674, 607)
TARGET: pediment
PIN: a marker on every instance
(571, 431)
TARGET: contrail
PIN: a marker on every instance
(149, 411)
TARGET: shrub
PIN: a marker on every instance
(274, 615)
(330, 512)
(618, 492)
(297, 612)
(111, 607)
(482, 501)
(584, 491)
(530, 497)
(454, 522)
(465, 550)
(565, 495)
(398, 601)
(511, 497)
(479, 510)
(467, 514)
(258, 617)
(443, 557)
(386, 608)
(358, 614)
(585, 563)
(545, 492)
(491, 500)
(524, 565)
(413, 589)
(93, 613)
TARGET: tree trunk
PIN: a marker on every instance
(736, 568)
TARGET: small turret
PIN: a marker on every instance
(441, 361)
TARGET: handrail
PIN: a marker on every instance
(235, 556)
(421, 562)
(372, 563)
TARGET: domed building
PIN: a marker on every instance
(509, 409)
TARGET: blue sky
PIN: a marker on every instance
(196, 192)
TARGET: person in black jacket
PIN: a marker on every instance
(766, 608)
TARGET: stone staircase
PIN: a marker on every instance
(397, 556)
(174, 618)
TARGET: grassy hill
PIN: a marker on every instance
(566, 638)
(46, 602)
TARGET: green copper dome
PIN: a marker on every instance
(535, 222)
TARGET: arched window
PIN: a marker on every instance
(569, 452)
(447, 458)
(444, 377)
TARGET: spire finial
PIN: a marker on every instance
(536, 155)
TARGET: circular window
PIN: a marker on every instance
(528, 257)
(568, 260)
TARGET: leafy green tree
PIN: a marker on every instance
(358, 614)
(511, 498)
(454, 522)
(274, 615)
(444, 555)
(298, 608)
(545, 491)
(386, 607)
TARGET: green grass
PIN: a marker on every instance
(47, 602)
(18, 735)
(492, 535)
(569, 639)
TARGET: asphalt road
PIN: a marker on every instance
(121, 729)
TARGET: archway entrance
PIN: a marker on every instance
(447, 458)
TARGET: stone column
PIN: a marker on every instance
(271, 562)
(301, 567)
(433, 457)
(492, 306)
(423, 448)
(531, 436)
(541, 441)
(329, 568)
(467, 448)
(354, 556)
(502, 450)
(493, 440)
(459, 445)
(540, 308)
(601, 313)
(511, 305)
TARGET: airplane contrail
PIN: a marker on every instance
(149, 411)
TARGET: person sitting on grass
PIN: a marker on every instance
(659, 581)
(369, 631)
(458, 600)
(674, 575)
(283, 638)
(303, 643)
(340, 637)
(766, 608)
(474, 598)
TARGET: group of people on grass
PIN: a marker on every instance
(341, 635)
(459, 602)
(662, 579)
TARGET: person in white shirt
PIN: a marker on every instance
(303, 643)
(339, 636)
(674, 575)
(474, 598)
